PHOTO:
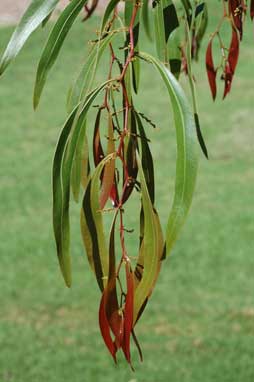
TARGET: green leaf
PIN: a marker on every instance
(170, 18)
(62, 166)
(175, 55)
(165, 22)
(79, 172)
(64, 258)
(193, 90)
(92, 226)
(145, 18)
(201, 27)
(135, 65)
(37, 11)
(150, 248)
(54, 44)
(187, 153)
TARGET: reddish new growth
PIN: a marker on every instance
(234, 14)
(116, 317)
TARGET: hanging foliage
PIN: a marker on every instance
(120, 150)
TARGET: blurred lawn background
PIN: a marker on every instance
(199, 324)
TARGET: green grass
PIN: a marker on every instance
(199, 324)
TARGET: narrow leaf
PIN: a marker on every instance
(200, 136)
(54, 44)
(37, 11)
(170, 19)
(150, 243)
(79, 170)
(105, 327)
(96, 246)
(187, 153)
(63, 256)
(62, 166)
(210, 69)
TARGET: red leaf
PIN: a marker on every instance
(227, 78)
(236, 9)
(252, 9)
(233, 51)
(211, 71)
(114, 194)
(107, 182)
(115, 318)
(105, 328)
(231, 62)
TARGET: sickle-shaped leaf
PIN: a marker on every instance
(54, 44)
(193, 90)
(96, 245)
(105, 327)
(64, 258)
(187, 153)
(233, 53)
(236, 10)
(90, 237)
(138, 274)
(150, 243)
(62, 166)
(231, 62)
(210, 69)
(37, 11)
